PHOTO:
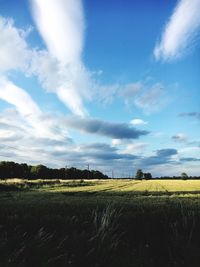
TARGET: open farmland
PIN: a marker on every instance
(128, 187)
(121, 187)
(100, 223)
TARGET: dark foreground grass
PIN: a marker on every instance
(58, 229)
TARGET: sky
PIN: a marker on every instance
(112, 84)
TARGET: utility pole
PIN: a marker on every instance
(88, 168)
(112, 174)
(65, 171)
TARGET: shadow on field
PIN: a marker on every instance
(48, 229)
(103, 235)
(28, 185)
(108, 192)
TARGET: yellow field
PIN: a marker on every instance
(114, 186)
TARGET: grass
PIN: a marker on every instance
(100, 223)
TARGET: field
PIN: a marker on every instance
(100, 223)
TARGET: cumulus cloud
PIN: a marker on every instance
(138, 122)
(104, 128)
(14, 52)
(180, 32)
(61, 25)
(116, 142)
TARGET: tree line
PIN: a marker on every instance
(140, 175)
(10, 169)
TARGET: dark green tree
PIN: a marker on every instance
(184, 176)
(147, 176)
(139, 174)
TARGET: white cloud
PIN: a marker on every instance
(42, 125)
(59, 70)
(7, 135)
(180, 32)
(61, 25)
(71, 83)
(116, 142)
(138, 122)
(190, 151)
(14, 52)
(136, 148)
(19, 98)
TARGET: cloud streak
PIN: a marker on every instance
(180, 137)
(195, 115)
(180, 32)
(61, 25)
(104, 128)
(42, 124)
(163, 156)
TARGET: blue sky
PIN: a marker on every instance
(106, 83)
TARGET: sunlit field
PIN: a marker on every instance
(125, 187)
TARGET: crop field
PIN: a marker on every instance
(100, 223)
(116, 186)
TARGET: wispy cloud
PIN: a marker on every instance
(195, 115)
(61, 25)
(15, 54)
(167, 152)
(136, 148)
(180, 137)
(189, 159)
(25, 141)
(146, 95)
(180, 32)
(152, 98)
(130, 90)
(19, 98)
(42, 124)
